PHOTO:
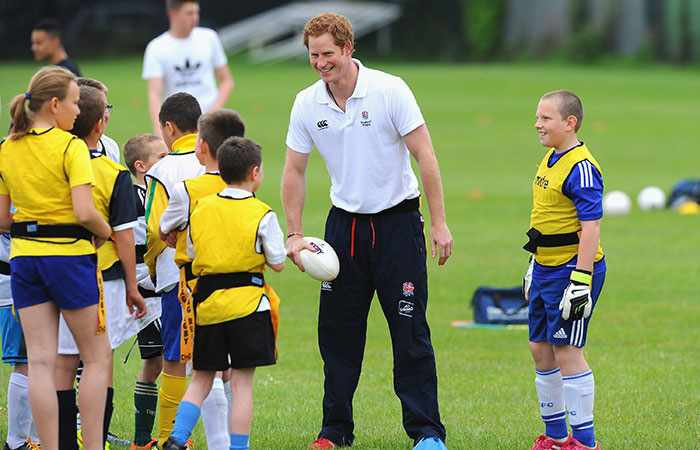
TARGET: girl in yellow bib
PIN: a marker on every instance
(45, 173)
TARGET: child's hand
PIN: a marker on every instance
(135, 300)
(171, 239)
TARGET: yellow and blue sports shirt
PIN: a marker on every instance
(567, 189)
(38, 171)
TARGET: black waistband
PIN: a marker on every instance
(4, 268)
(412, 204)
(207, 284)
(147, 293)
(34, 230)
(189, 276)
(537, 239)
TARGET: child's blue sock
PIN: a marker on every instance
(185, 420)
(579, 391)
(239, 441)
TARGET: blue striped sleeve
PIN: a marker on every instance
(584, 186)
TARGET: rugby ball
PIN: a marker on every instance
(322, 264)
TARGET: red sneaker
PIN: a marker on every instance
(544, 442)
(322, 443)
(573, 444)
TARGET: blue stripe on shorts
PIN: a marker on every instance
(545, 320)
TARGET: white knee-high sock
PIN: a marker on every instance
(20, 422)
(215, 427)
(579, 391)
(229, 399)
(550, 394)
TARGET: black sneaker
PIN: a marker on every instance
(29, 445)
(171, 444)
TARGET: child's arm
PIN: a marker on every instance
(125, 247)
(276, 267)
(87, 215)
(272, 242)
(588, 245)
(5, 213)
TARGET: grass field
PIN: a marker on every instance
(640, 123)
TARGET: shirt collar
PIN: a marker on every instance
(236, 193)
(185, 144)
(361, 85)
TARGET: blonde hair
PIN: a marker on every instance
(138, 148)
(337, 25)
(47, 83)
(568, 104)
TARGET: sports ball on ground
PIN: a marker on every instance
(321, 264)
(651, 197)
(616, 203)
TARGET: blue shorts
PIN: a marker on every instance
(171, 324)
(545, 319)
(14, 350)
(68, 281)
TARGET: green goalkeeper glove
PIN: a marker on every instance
(577, 303)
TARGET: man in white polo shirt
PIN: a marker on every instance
(366, 124)
(186, 58)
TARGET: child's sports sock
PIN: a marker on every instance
(19, 412)
(579, 391)
(551, 397)
(185, 420)
(145, 403)
(229, 399)
(172, 390)
(215, 427)
(109, 409)
(239, 441)
(67, 420)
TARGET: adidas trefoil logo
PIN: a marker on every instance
(561, 334)
(188, 69)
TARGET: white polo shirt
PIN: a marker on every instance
(366, 157)
(186, 65)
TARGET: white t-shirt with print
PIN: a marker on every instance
(186, 65)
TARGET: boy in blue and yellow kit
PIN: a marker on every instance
(566, 273)
(233, 322)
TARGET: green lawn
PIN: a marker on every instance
(640, 123)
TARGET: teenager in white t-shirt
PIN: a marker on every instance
(366, 125)
(186, 58)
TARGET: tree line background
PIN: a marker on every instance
(438, 30)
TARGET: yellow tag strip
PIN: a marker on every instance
(187, 331)
(101, 309)
(274, 312)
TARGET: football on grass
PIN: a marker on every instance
(322, 264)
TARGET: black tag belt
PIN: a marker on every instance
(207, 284)
(34, 230)
(537, 239)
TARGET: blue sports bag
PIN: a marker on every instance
(500, 305)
